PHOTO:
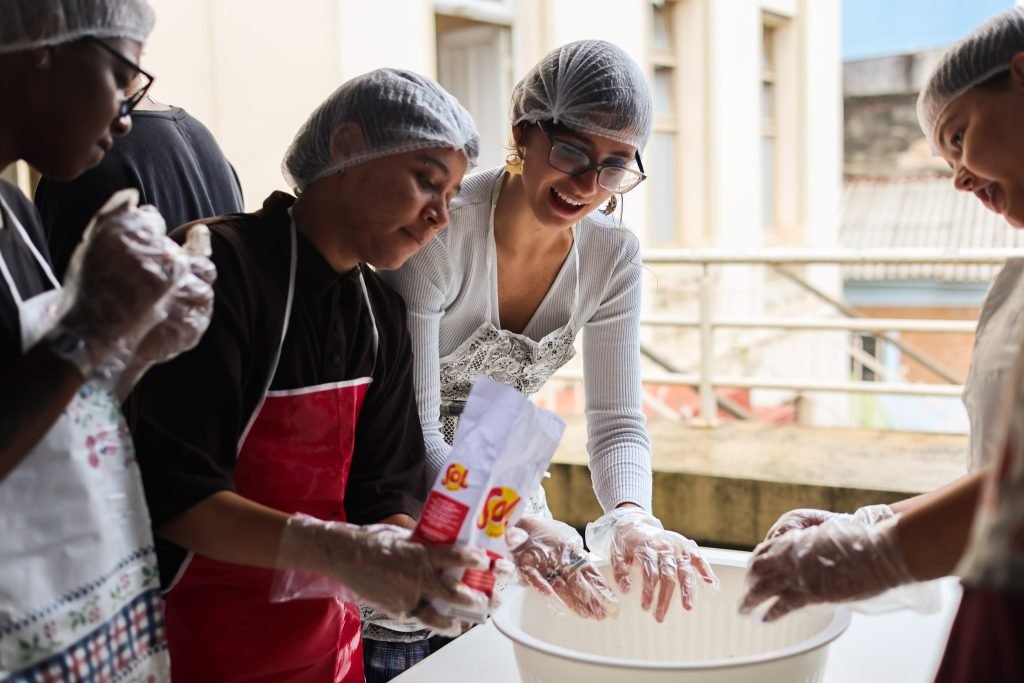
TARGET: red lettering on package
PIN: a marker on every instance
(441, 520)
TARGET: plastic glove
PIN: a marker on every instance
(808, 517)
(628, 534)
(376, 565)
(189, 309)
(552, 560)
(117, 282)
(839, 560)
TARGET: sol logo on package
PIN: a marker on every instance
(455, 477)
(498, 507)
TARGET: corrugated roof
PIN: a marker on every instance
(903, 213)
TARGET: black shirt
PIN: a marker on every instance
(188, 415)
(25, 270)
(169, 156)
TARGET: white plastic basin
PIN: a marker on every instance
(711, 644)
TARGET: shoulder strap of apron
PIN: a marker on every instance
(23, 234)
(490, 249)
(373, 319)
(292, 267)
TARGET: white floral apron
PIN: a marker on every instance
(79, 588)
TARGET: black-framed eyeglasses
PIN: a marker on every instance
(130, 102)
(570, 159)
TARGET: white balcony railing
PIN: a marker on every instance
(705, 379)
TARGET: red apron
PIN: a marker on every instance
(221, 624)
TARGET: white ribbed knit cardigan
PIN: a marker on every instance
(446, 288)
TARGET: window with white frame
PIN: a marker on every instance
(474, 63)
(661, 164)
(769, 108)
(780, 129)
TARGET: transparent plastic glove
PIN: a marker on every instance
(376, 565)
(807, 517)
(118, 280)
(837, 561)
(627, 535)
(552, 560)
(189, 309)
(505, 575)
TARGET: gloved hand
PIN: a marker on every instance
(841, 559)
(117, 283)
(189, 309)
(376, 565)
(629, 534)
(808, 517)
(552, 560)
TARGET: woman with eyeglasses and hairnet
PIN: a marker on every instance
(532, 260)
(970, 110)
(78, 595)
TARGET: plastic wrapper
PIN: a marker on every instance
(630, 536)
(841, 560)
(30, 24)
(924, 597)
(591, 86)
(189, 309)
(501, 450)
(377, 565)
(396, 111)
(983, 53)
(552, 559)
(119, 280)
(802, 518)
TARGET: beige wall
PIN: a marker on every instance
(253, 70)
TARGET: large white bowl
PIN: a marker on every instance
(711, 644)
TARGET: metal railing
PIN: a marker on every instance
(706, 322)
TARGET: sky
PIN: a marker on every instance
(878, 27)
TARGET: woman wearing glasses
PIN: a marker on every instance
(170, 157)
(78, 592)
(528, 263)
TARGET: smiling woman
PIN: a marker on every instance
(970, 111)
(976, 135)
(527, 266)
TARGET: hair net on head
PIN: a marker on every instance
(28, 24)
(590, 86)
(980, 55)
(397, 111)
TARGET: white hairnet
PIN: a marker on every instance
(590, 86)
(28, 24)
(397, 111)
(980, 55)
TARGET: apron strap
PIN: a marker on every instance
(373, 319)
(491, 259)
(292, 268)
(23, 234)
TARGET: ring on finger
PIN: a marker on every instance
(575, 562)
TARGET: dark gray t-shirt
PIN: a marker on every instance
(169, 156)
(25, 270)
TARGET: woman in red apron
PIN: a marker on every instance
(294, 420)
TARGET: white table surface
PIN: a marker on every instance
(899, 647)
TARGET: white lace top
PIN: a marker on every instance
(449, 290)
